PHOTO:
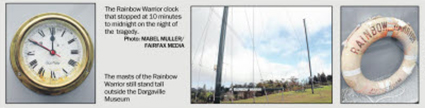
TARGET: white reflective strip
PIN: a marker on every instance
(381, 85)
(351, 72)
(369, 23)
(390, 26)
(408, 70)
(389, 20)
(401, 23)
(387, 85)
(409, 57)
(389, 33)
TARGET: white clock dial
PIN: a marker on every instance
(51, 53)
(52, 50)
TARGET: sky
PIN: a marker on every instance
(262, 43)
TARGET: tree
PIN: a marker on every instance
(286, 85)
(315, 79)
(260, 85)
(303, 83)
(294, 82)
(270, 83)
(202, 94)
(310, 80)
(319, 79)
(329, 78)
(293, 79)
(323, 78)
(251, 84)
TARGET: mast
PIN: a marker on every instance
(309, 61)
(217, 94)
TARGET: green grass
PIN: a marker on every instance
(321, 95)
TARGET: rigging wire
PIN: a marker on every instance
(298, 39)
(204, 32)
(203, 49)
(256, 58)
(263, 29)
(231, 58)
(254, 52)
(252, 34)
(206, 27)
(231, 28)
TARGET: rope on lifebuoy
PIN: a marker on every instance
(358, 42)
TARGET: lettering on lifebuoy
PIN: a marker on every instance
(358, 42)
(378, 28)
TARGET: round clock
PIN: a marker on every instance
(51, 54)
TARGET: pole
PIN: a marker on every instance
(283, 89)
(309, 61)
(217, 96)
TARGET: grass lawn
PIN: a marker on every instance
(321, 95)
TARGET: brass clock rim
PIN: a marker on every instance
(15, 50)
(37, 79)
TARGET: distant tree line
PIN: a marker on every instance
(202, 95)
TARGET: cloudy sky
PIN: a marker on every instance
(279, 43)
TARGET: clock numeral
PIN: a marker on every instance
(30, 53)
(52, 31)
(65, 71)
(41, 33)
(63, 33)
(41, 71)
(72, 62)
(52, 74)
(70, 41)
(74, 52)
(33, 63)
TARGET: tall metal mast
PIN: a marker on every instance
(217, 95)
(309, 61)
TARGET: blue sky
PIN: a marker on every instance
(280, 48)
(319, 42)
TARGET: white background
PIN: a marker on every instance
(132, 58)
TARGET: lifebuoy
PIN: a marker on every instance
(361, 38)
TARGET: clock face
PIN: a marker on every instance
(53, 53)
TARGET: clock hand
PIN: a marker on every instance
(52, 38)
(38, 44)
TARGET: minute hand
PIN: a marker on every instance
(52, 38)
(38, 44)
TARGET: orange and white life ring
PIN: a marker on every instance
(361, 38)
